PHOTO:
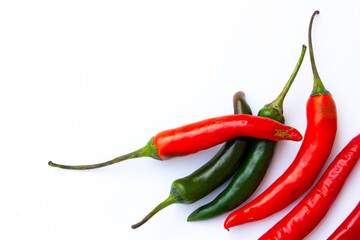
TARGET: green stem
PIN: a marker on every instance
(170, 200)
(318, 85)
(147, 151)
(278, 102)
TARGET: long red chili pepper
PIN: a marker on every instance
(205, 134)
(313, 153)
(201, 135)
(305, 216)
(349, 229)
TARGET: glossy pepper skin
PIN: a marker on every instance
(306, 215)
(313, 153)
(214, 173)
(201, 135)
(349, 229)
(252, 171)
(221, 167)
(208, 133)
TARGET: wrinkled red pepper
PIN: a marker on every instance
(305, 216)
(349, 229)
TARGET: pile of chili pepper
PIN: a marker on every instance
(250, 143)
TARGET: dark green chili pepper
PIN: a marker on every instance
(214, 173)
(252, 171)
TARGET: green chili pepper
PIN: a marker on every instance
(214, 173)
(252, 171)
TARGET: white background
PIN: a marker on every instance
(85, 81)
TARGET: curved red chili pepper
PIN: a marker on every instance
(210, 132)
(305, 216)
(349, 229)
(201, 135)
(313, 153)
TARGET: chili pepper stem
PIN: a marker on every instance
(170, 200)
(277, 104)
(319, 87)
(149, 150)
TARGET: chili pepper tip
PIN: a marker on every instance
(297, 135)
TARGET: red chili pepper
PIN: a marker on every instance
(349, 229)
(205, 134)
(313, 153)
(305, 216)
(201, 135)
